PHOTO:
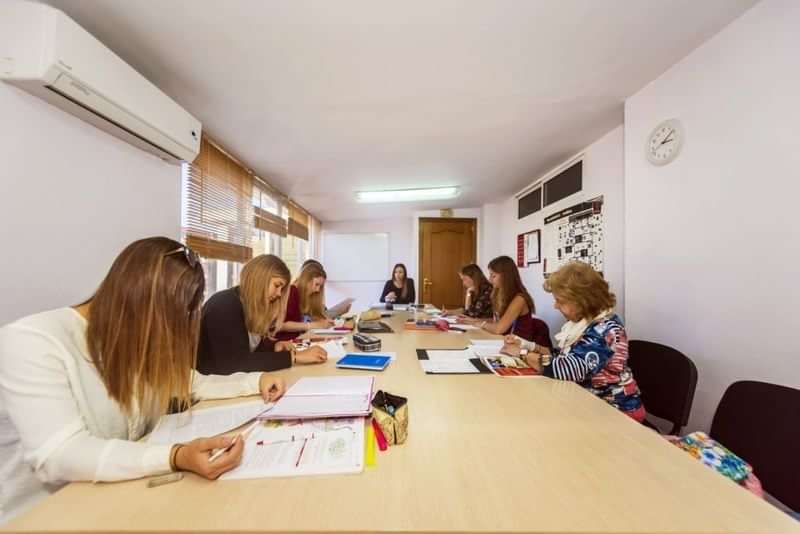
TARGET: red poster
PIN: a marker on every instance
(521, 250)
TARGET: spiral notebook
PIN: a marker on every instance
(325, 396)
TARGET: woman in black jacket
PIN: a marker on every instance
(239, 324)
(400, 289)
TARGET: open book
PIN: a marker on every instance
(508, 366)
(325, 396)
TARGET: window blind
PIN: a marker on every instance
(298, 221)
(219, 211)
(268, 209)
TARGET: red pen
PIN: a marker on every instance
(297, 463)
(379, 437)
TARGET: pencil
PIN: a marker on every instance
(243, 435)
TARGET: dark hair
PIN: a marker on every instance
(476, 275)
(403, 293)
(510, 286)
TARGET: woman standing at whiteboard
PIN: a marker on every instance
(400, 289)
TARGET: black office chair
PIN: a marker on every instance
(667, 379)
(759, 422)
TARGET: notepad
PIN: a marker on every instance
(326, 396)
(364, 361)
(495, 344)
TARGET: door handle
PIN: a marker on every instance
(426, 282)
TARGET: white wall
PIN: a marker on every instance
(400, 251)
(71, 197)
(713, 239)
(602, 175)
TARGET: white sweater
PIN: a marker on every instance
(57, 422)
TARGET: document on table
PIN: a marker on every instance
(488, 343)
(298, 448)
(192, 424)
(325, 396)
(465, 354)
(334, 349)
(453, 366)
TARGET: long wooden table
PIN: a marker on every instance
(484, 454)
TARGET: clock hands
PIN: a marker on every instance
(667, 138)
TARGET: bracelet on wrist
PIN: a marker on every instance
(173, 456)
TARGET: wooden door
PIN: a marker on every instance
(445, 246)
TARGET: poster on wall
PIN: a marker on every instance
(575, 234)
(529, 248)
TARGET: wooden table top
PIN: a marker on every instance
(484, 454)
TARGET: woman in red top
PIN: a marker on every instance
(305, 309)
(513, 305)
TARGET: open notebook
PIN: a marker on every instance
(325, 396)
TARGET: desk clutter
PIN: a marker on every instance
(321, 426)
(480, 357)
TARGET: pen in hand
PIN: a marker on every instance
(242, 435)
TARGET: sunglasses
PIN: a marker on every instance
(191, 256)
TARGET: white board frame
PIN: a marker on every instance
(337, 272)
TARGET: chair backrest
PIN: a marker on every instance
(667, 379)
(760, 422)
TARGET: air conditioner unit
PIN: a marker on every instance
(47, 54)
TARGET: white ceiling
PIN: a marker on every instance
(324, 98)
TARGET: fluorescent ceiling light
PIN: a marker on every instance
(407, 195)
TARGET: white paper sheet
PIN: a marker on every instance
(331, 385)
(329, 332)
(486, 351)
(334, 349)
(298, 448)
(465, 354)
(488, 343)
(186, 426)
(448, 366)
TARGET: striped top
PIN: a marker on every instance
(598, 361)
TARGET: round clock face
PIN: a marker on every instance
(665, 142)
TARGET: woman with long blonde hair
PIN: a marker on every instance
(306, 307)
(241, 324)
(80, 385)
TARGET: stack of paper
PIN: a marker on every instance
(327, 396)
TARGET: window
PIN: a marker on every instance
(530, 203)
(229, 215)
(564, 184)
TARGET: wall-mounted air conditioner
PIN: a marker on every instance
(46, 53)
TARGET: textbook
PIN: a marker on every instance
(368, 362)
(509, 366)
(324, 396)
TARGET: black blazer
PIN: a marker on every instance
(388, 287)
(225, 344)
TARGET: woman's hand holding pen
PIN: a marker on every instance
(271, 387)
(194, 456)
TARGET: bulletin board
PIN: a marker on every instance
(575, 234)
(529, 248)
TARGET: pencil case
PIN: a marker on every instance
(391, 413)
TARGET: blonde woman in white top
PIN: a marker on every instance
(79, 386)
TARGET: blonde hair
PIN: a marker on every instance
(144, 325)
(579, 284)
(260, 315)
(312, 304)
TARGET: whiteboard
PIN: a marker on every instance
(356, 257)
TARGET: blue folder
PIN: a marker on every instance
(364, 361)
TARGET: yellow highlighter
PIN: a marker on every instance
(369, 447)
